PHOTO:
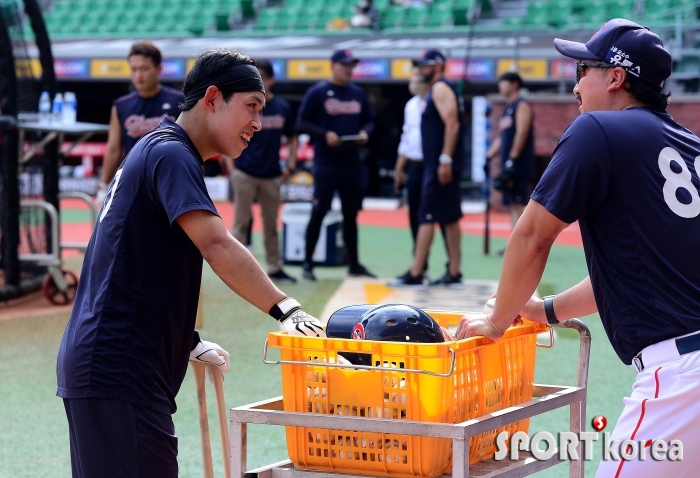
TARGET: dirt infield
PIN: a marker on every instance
(31, 305)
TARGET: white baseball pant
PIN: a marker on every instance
(664, 405)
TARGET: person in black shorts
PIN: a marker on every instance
(140, 111)
(331, 110)
(125, 350)
(443, 154)
(516, 146)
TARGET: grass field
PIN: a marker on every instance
(33, 428)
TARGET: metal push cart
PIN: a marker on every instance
(59, 285)
(545, 398)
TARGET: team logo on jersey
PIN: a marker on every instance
(272, 121)
(166, 106)
(330, 93)
(337, 107)
(505, 122)
(138, 125)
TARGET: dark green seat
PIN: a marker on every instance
(267, 18)
(392, 17)
(560, 13)
(440, 17)
(537, 14)
(416, 17)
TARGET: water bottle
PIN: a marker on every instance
(70, 108)
(57, 108)
(44, 108)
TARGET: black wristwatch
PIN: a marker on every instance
(549, 309)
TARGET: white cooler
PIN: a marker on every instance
(330, 248)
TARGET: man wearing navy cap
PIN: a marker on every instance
(443, 153)
(339, 118)
(630, 175)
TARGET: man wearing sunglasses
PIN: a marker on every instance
(630, 175)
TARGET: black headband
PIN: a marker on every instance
(243, 77)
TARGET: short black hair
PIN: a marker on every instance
(649, 95)
(512, 77)
(147, 49)
(266, 67)
(209, 64)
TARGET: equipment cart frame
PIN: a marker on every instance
(545, 398)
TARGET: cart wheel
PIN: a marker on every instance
(60, 297)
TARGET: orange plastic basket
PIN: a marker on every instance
(488, 376)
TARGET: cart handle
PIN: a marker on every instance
(551, 339)
(362, 367)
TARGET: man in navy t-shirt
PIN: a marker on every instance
(331, 111)
(140, 111)
(256, 173)
(126, 347)
(630, 175)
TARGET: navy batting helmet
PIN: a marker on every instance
(397, 323)
(342, 321)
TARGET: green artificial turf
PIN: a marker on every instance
(33, 428)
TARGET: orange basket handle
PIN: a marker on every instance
(361, 367)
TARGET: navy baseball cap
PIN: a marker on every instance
(625, 44)
(343, 56)
(430, 57)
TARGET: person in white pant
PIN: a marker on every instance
(631, 176)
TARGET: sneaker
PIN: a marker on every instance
(307, 271)
(359, 270)
(407, 280)
(282, 277)
(448, 281)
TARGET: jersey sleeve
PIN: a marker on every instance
(307, 120)
(577, 179)
(178, 181)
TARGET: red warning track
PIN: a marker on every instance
(472, 224)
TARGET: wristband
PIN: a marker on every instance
(445, 159)
(549, 310)
(281, 309)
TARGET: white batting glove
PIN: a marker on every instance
(211, 353)
(295, 321)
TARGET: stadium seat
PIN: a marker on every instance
(595, 12)
(392, 17)
(536, 14)
(560, 13)
(287, 20)
(314, 7)
(335, 8)
(294, 4)
(416, 17)
(620, 8)
(440, 17)
(267, 19)
(656, 9)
